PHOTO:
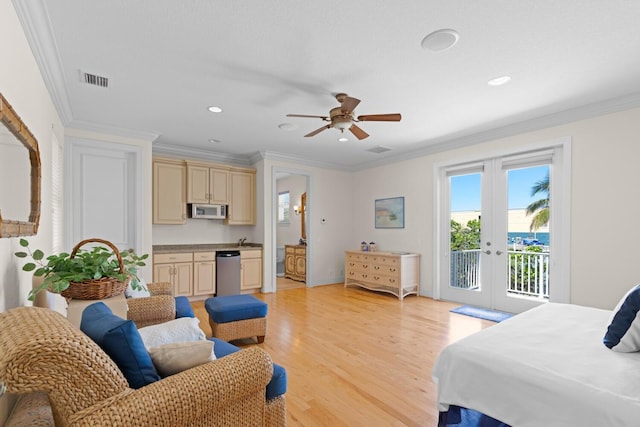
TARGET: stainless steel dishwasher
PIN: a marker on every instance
(227, 273)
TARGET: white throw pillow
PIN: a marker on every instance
(184, 329)
(170, 359)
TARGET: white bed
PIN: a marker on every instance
(545, 367)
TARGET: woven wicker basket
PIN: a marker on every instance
(105, 287)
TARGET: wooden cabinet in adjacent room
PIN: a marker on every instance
(169, 183)
(295, 262)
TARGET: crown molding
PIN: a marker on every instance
(274, 156)
(34, 17)
(113, 130)
(196, 153)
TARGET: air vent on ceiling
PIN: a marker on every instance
(379, 149)
(94, 79)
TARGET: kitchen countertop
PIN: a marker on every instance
(159, 249)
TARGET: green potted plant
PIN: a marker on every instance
(84, 274)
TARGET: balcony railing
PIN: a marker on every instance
(528, 272)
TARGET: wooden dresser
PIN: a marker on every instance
(395, 273)
(295, 262)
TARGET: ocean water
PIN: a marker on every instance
(542, 237)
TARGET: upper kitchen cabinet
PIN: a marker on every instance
(169, 188)
(207, 184)
(242, 197)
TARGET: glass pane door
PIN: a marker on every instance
(528, 238)
(463, 260)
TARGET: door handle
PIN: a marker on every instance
(488, 252)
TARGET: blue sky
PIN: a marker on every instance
(465, 189)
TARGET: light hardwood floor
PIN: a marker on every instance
(355, 357)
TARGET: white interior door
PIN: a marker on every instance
(489, 254)
(104, 183)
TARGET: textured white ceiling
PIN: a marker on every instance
(259, 60)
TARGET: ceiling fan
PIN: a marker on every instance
(342, 117)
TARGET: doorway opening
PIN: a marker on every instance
(291, 229)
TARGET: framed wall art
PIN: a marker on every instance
(390, 213)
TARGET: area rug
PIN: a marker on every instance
(482, 313)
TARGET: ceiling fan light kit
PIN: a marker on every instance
(342, 117)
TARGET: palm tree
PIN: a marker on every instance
(540, 207)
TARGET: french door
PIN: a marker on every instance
(491, 251)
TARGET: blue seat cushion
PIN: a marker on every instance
(183, 307)
(278, 384)
(120, 339)
(230, 308)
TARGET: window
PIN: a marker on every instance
(283, 207)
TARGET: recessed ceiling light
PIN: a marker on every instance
(499, 81)
(440, 40)
(288, 126)
(214, 141)
(214, 109)
(343, 139)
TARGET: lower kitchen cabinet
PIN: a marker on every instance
(177, 269)
(250, 269)
(204, 273)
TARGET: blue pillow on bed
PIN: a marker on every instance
(623, 333)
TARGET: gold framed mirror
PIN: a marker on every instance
(20, 201)
(303, 209)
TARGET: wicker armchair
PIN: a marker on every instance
(41, 350)
(160, 307)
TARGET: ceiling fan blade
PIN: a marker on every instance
(380, 118)
(306, 115)
(359, 133)
(317, 131)
(349, 104)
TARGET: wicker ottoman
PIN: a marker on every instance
(234, 317)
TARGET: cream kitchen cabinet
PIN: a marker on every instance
(169, 198)
(204, 273)
(207, 184)
(395, 273)
(250, 269)
(242, 197)
(175, 268)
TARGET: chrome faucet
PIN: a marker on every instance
(241, 241)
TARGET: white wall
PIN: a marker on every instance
(22, 85)
(604, 205)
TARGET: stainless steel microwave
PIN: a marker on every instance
(208, 211)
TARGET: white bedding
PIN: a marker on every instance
(543, 367)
